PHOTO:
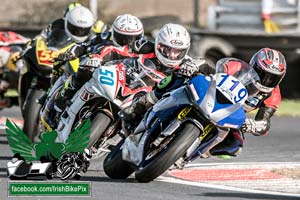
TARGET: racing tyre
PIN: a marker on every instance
(32, 114)
(98, 126)
(176, 148)
(114, 166)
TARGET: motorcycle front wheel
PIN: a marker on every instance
(114, 166)
(31, 114)
(98, 126)
(156, 165)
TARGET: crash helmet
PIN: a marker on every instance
(270, 65)
(78, 23)
(126, 29)
(172, 44)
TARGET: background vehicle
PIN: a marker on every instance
(11, 44)
(235, 29)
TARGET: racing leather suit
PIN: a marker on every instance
(266, 103)
(175, 78)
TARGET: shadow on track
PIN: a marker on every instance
(248, 196)
(6, 157)
(106, 179)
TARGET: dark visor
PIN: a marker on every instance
(267, 79)
(78, 31)
(122, 39)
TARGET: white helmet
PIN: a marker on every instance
(172, 44)
(78, 23)
(126, 29)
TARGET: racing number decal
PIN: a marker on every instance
(232, 84)
(106, 77)
(45, 56)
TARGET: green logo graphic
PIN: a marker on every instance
(47, 148)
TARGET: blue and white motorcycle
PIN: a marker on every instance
(185, 123)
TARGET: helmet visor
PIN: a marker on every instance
(122, 39)
(171, 53)
(267, 78)
(78, 31)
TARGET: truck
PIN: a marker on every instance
(235, 29)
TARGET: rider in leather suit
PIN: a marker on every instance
(270, 65)
(170, 49)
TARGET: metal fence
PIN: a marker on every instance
(245, 16)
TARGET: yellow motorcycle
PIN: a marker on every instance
(34, 80)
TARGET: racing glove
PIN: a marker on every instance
(66, 56)
(72, 53)
(254, 127)
(188, 69)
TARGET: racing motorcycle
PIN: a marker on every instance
(111, 88)
(183, 125)
(34, 78)
(11, 44)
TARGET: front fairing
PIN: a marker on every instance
(224, 114)
(39, 56)
(203, 94)
(167, 106)
(106, 81)
(113, 82)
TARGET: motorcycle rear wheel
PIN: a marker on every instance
(162, 161)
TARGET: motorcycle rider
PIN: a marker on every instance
(117, 44)
(270, 65)
(171, 47)
(77, 24)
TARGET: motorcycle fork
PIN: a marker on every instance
(109, 133)
(202, 147)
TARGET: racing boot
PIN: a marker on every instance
(133, 114)
(48, 119)
(230, 147)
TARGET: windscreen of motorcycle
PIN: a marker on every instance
(58, 39)
(241, 71)
(220, 98)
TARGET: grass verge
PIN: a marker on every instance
(289, 108)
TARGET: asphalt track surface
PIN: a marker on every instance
(249, 176)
